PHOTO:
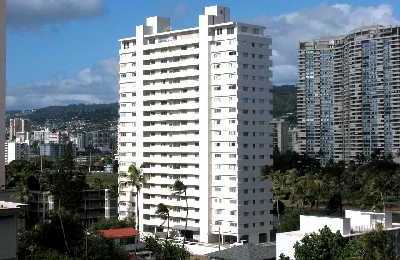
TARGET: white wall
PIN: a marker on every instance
(310, 224)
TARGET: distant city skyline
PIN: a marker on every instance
(63, 52)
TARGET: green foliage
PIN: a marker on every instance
(377, 245)
(67, 188)
(290, 220)
(326, 245)
(137, 180)
(165, 249)
(113, 223)
(300, 181)
(63, 237)
(97, 113)
(284, 101)
(67, 162)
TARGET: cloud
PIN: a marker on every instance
(29, 14)
(96, 84)
(325, 20)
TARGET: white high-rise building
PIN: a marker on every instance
(195, 106)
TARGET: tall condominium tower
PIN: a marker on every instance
(348, 95)
(195, 106)
(2, 91)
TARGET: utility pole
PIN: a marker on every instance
(219, 238)
(90, 160)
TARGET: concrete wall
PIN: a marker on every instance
(8, 234)
(309, 224)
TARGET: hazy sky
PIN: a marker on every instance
(66, 51)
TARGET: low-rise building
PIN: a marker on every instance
(95, 205)
(16, 151)
(354, 223)
(8, 229)
(127, 238)
(98, 204)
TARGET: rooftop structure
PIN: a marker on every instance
(354, 223)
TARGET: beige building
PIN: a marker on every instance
(348, 92)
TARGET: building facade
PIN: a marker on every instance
(280, 135)
(19, 127)
(52, 150)
(348, 88)
(195, 106)
(16, 151)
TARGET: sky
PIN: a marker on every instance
(66, 51)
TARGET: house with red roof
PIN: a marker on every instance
(127, 238)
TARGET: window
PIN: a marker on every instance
(219, 31)
(232, 86)
(246, 225)
(217, 155)
(243, 29)
(232, 53)
(262, 237)
(230, 30)
(232, 189)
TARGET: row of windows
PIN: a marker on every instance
(171, 219)
(252, 55)
(246, 66)
(261, 224)
(246, 191)
(219, 222)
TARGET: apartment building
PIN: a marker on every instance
(348, 91)
(195, 106)
(280, 135)
(16, 151)
(19, 127)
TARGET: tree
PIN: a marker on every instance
(180, 188)
(163, 212)
(324, 245)
(67, 162)
(377, 244)
(67, 188)
(137, 180)
(165, 250)
(112, 223)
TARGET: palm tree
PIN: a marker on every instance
(180, 188)
(137, 180)
(163, 212)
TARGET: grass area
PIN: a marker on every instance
(106, 179)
